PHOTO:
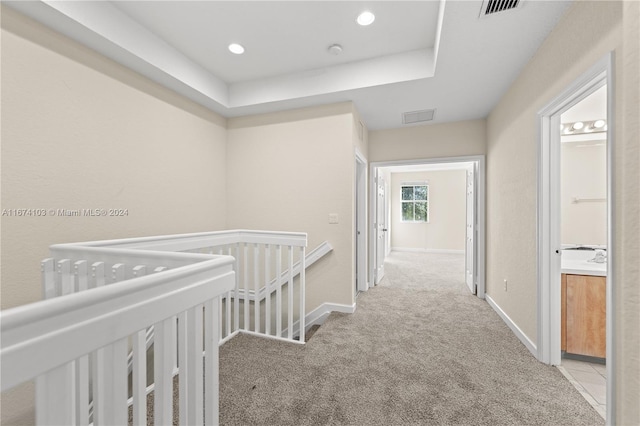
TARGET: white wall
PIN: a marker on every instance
(447, 212)
(79, 131)
(588, 31)
(288, 171)
(584, 175)
(428, 141)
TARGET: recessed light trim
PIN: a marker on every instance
(366, 18)
(236, 48)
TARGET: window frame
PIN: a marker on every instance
(414, 202)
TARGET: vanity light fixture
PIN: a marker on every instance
(583, 127)
(366, 18)
(236, 48)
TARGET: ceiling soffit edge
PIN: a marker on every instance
(104, 28)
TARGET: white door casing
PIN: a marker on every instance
(471, 229)
(361, 272)
(548, 226)
(380, 225)
(479, 198)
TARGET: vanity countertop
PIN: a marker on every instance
(576, 262)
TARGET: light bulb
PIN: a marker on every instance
(366, 18)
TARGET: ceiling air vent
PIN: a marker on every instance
(418, 116)
(490, 7)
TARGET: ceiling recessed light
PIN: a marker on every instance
(366, 18)
(236, 48)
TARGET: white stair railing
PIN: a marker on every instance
(108, 301)
(53, 341)
(268, 298)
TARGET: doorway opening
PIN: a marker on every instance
(409, 227)
(574, 273)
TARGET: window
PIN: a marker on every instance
(415, 203)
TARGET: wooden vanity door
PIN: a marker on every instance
(586, 315)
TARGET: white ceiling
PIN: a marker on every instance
(416, 55)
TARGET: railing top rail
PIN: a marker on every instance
(129, 255)
(167, 242)
(43, 335)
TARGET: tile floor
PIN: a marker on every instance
(590, 379)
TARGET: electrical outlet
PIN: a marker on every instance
(505, 284)
(333, 218)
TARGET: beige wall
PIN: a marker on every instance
(428, 141)
(79, 132)
(627, 227)
(447, 212)
(583, 175)
(288, 171)
(584, 35)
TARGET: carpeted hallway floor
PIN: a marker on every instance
(418, 350)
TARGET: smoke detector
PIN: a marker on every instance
(335, 49)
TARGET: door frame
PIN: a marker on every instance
(548, 223)
(360, 226)
(480, 208)
(376, 276)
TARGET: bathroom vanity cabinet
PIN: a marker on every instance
(583, 315)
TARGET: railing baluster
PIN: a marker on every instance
(183, 333)
(211, 363)
(116, 365)
(227, 305)
(279, 290)
(290, 293)
(236, 292)
(267, 289)
(47, 268)
(163, 347)
(97, 279)
(194, 377)
(57, 390)
(115, 409)
(117, 273)
(139, 368)
(80, 276)
(81, 283)
(301, 282)
(256, 289)
(55, 396)
(245, 274)
(65, 279)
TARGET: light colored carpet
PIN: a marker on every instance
(419, 350)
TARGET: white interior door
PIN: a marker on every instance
(381, 226)
(470, 247)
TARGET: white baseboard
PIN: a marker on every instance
(423, 250)
(320, 314)
(512, 325)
